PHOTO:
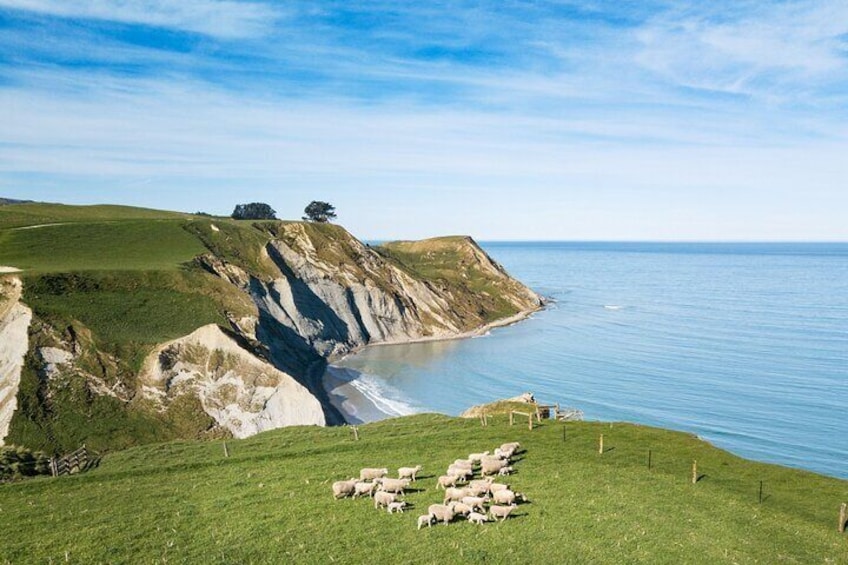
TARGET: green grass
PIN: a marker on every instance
(124, 245)
(270, 502)
(33, 214)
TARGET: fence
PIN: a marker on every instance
(76, 462)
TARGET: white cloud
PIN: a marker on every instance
(220, 18)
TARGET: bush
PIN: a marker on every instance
(254, 211)
(18, 462)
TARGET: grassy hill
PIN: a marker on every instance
(270, 501)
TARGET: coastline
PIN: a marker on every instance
(361, 404)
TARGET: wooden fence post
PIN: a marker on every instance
(355, 432)
(694, 471)
(530, 421)
(649, 459)
(54, 467)
(511, 418)
(556, 411)
(226, 451)
(760, 498)
(601, 445)
(538, 417)
(843, 517)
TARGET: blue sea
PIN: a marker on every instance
(745, 345)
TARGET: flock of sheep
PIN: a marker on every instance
(465, 496)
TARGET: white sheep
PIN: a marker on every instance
(372, 473)
(446, 481)
(504, 497)
(486, 481)
(491, 467)
(463, 463)
(394, 485)
(441, 512)
(393, 507)
(477, 518)
(495, 487)
(342, 489)
(363, 488)
(503, 453)
(501, 512)
(409, 472)
(476, 457)
(383, 499)
(461, 509)
(463, 472)
(478, 488)
(475, 501)
(426, 519)
(508, 470)
(513, 445)
(456, 494)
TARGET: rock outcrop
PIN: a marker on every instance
(241, 392)
(14, 325)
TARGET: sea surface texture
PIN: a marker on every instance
(745, 345)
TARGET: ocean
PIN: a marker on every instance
(743, 344)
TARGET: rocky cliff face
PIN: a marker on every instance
(14, 324)
(315, 293)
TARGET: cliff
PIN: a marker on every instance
(155, 328)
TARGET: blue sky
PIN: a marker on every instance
(553, 119)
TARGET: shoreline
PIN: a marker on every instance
(357, 406)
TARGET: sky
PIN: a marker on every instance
(505, 120)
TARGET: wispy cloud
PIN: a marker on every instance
(220, 18)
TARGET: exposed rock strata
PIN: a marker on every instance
(14, 324)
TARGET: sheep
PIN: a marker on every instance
(508, 470)
(490, 467)
(504, 497)
(462, 509)
(478, 488)
(463, 472)
(362, 488)
(513, 445)
(441, 512)
(394, 485)
(501, 512)
(342, 489)
(409, 472)
(372, 473)
(393, 507)
(476, 457)
(446, 481)
(426, 519)
(475, 501)
(503, 453)
(477, 518)
(383, 499)
(486, 481)
(495, 487)
(463, 463)
(456, 494)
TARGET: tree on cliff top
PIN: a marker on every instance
(254, 211)
(318, 211)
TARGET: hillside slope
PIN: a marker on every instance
(270, 501)
(109, 286)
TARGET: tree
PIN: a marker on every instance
(318, 211)
(254, 211)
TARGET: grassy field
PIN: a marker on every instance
(38, 213)
(270, 502)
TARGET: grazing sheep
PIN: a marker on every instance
(475, 502)
(362, 488)
(490, 467)
(463, 463)
(383, 499)
(495, 487)
(409, 472)
(504, 497)
(501, 512)
(342, 489)
(441, 512)
(456, 494)
(446, 481)
(477, 518)
(476, 457)
(426, 519)
(513, 445)
(464, 472)
(461, 509)
(503, 453)
(372, 473)
(393, 507)
(481, 482)
(394, 485)
(508, 470)
(478, 488)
